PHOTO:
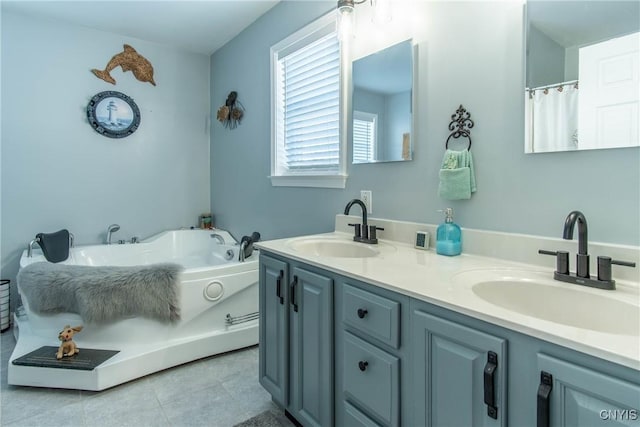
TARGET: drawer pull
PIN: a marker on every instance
(279, 287)
(362, 313)
(292, 295)
(363, 365)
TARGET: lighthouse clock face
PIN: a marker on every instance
(113, 114)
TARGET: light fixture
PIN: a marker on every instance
(381, 11)
(381, 14)
(345, 18)
(346, 6)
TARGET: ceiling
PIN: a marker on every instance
(196, 26)
(578, 23)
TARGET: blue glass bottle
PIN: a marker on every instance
(449, 236)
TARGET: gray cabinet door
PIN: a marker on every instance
(450, 361)
(274, 356)
(311, 335)
(582, 397)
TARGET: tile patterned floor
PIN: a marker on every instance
(217, 391)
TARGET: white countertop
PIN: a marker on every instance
(436, 279)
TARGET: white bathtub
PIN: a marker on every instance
(212, 290)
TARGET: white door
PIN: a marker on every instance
(608, 111)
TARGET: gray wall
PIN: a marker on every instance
(242, 198)
(470, 54)
(545, 60)
(398, 122)
(57, 172)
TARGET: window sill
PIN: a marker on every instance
(317, 181)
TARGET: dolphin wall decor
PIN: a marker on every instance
(129, 60)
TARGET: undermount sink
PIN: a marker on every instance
(532, 294)
(332, 247)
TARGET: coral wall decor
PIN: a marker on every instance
(230, 114)
(129, 60)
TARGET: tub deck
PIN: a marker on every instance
(133, 361)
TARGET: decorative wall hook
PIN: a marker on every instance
(231, 113)
(460, 125)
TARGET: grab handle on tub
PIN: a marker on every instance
(279, 287)
(294, 284)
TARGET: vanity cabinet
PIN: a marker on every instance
(371, 328)
(335, 351)
(572, 395)
(459, 373)
(296, 339)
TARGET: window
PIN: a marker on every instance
(306, 144)
(365, 130)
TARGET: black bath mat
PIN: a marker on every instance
(268, 418)
(45, 357)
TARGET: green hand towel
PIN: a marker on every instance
(457, 175)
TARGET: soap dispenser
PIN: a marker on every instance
(448, 236)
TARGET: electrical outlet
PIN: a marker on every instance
(365, 196)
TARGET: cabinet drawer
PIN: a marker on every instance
(371, 379)
(354, 418)
(372, 314)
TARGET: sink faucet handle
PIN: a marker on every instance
(357, 228)
(604, 266)
(623, 263)
(562, 260)
(373, 232)
(545, 252)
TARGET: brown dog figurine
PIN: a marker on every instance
(68, 347)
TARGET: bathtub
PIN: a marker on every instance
(218, 312)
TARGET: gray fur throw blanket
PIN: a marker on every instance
(102, 294)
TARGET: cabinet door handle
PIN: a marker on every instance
(489, 384)
(363, 365)
(544, 392)
(279, 287)
(294, 285)
(362, 313)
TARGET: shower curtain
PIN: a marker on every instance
(552, 118)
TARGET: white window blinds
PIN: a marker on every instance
(308, 105)
(364, 136)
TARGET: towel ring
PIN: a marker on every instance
(461, 124)
(459, 134)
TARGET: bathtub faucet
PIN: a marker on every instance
(246, 245)
(243, 246)
(30, 249)
(110, 230)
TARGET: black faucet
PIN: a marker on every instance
(362, 205)
(364, 232)
(582, 277)
(582, 258)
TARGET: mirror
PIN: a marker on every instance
(582, 74)
(382, 105)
